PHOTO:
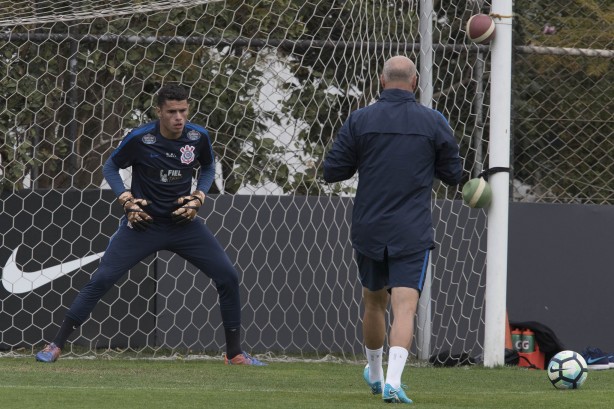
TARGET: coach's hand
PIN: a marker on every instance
(133, 207)
(189, 207)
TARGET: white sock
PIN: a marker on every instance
(397, 356)
(375, 358)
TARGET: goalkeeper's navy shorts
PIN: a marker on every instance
(407, 271)
(192, 241)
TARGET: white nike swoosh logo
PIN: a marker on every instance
(18, 282)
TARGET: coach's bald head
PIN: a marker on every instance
(399, 72)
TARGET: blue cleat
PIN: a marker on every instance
(596, 359)
(392, 395)
(376, 387)
(243, 359)
(49, 354)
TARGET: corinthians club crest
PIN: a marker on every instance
(187, 154)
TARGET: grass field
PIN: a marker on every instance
(115, 384)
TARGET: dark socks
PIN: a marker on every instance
(233, 342)
(68, 326)
(233, 337)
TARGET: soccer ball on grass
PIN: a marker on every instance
(567, 370)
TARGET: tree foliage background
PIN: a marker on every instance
(69, 91)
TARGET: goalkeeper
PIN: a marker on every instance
(160, 214)
(398, 147)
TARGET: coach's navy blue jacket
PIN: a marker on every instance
(398, 147)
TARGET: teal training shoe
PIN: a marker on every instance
(392, 395)
(376, 387)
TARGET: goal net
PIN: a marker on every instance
(272, 81)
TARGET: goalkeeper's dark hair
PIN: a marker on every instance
(171, 92)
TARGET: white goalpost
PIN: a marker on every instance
(500, 138)
(425, 85)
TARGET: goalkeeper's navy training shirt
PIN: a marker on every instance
(162, 169)
(398, 147)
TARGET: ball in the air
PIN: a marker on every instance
(567, 370)
(481, 29)
(477, 193)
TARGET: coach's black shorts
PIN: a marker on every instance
(407, 271)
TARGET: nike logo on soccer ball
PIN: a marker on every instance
(17, 281)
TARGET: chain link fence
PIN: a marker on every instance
(563, 102)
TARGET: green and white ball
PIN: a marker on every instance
(567, 370)
(477, 193)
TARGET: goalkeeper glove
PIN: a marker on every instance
(133, 208)
(189, 208)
